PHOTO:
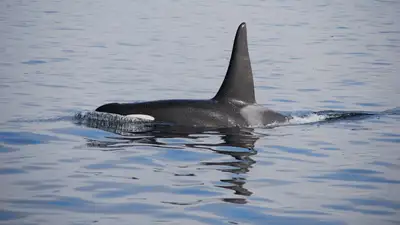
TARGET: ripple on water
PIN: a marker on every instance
(356, 175)
(322, 168)
(26, 138)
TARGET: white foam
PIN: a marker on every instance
(112, 118)
(119, 124)
(312, 118)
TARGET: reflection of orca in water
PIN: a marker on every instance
(233, 106)
(239, 143)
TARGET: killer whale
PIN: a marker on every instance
(234, 105)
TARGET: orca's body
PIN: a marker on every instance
(233, 106)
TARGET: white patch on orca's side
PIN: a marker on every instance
(141, 117)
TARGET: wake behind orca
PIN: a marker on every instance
(234, 105)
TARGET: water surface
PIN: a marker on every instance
(60, 58)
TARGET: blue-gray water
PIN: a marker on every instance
(59, 58)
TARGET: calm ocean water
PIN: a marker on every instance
(59, 59)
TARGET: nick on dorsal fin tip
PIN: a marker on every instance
(238, 84)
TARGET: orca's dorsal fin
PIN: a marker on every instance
(238, 84)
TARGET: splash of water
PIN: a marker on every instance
(113, 122)
(306, 119)
(84, 117)
(328, 116)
